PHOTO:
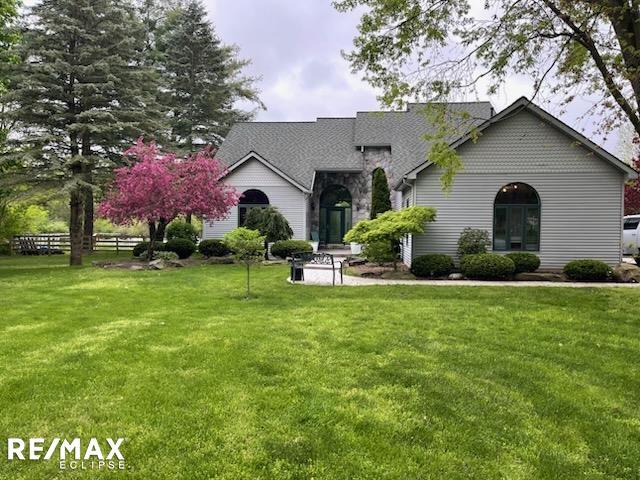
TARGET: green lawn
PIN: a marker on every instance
(317, 382)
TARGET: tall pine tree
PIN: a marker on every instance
(9, 36)
(81, 94)
(380, 195)
(203, 79)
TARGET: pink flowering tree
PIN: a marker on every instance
(159, 186)
(200, 189)
(632, 193)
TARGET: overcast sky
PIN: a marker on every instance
(295, 47)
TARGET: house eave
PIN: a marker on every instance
(404, 184)
(525, 103)
(256, 156)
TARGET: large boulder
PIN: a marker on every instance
(626, 273)
(158, 264)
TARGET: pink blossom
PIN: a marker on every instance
(161, 186)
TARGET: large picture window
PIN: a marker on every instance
(250, 199)
(516, 218)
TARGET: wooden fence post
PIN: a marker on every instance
(48, 244)
(117, 245)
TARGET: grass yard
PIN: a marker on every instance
(317, 382)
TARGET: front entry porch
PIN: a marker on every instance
(335, 215)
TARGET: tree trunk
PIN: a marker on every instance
(76, 202)
(152, 240)
(188, 218)
(87, 237)
(266, 250)
(87, 168)
(162, 226)
(75, 226)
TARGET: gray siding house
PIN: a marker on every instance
(530, 180)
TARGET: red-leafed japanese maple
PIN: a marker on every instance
(160, 186)
(632, 193)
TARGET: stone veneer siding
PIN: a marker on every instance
(358, 184)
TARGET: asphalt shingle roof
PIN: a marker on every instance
(300, 148)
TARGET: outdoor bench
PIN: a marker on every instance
(300, 259)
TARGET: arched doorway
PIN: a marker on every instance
(248, 200)
(335, 214)
(516, 218)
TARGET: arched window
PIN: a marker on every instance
(516, 218)
(248, 200)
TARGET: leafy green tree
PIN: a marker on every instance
(391, 226)
(271, 224)
(247, 247)
(9, 36)
(80, 95)
(431, 50)
(380, 195)
(202, 78)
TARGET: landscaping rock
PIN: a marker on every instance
(157, 264)
(626, 273)
(540, 277)
(175, 263)
(136, 267)
(369, 274)
(456, 276)
(114, 265)
(353, 261)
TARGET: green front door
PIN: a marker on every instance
(335, 225)
(335, 214)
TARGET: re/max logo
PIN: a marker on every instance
(96, 455)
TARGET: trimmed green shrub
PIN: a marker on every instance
(487, 266)
(432, 265)
(5, 249)
(182, 230)
(587, 270)
(379, 252)
(213, 248)
(284, 248)
(183, 247)
(142, 248)
(524, 261)
(165, 255)
(473, 241)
